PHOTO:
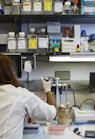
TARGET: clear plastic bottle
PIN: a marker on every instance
(16, 7)
(26, 7)
(67, 8)
(92, 42)
(37, 6)
(12, 43)
(84, 41)
(21, 42)
(32, 40)
(43, 41)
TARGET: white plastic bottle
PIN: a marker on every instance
(21, 42)
(12, 45)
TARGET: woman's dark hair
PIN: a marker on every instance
(7, 75)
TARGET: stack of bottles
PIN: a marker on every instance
(41, 7)
(50, 41)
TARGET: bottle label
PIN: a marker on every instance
(32, 43)
(48, 5)
(42, 42)
(21, 44)
(37, 7)
(11, 44)
(27, 6)
(58, 7)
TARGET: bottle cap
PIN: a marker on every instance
(11, 34)
(92, 36)
(67, 31)
(67, 3)
(76, 1)
(21, 34)
(17, 1)
(43, 30)
(78, 46)
(32, 30)
(83, 33)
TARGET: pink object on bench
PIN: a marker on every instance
(56, 129)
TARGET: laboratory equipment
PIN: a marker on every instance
(65, 113)
(57, 88)
(84, 116)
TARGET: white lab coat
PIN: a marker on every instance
(15, 103)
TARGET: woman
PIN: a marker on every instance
(17, 102)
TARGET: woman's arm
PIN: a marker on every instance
(50, 99)
(47, 89)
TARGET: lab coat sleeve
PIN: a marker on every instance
(35, 107)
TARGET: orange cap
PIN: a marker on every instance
(76, 1)
(67, 31)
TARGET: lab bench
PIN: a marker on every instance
(68, 132)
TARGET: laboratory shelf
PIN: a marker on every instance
(41, 18)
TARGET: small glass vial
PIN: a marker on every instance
(21, 42)
(47, 6)
(16, 7)
(32, 40)
(78, 48)
(58, 6)
(26, 7)
(37, 7)
(12, 45)
(43, 41)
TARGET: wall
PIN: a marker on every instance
(78, 72)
